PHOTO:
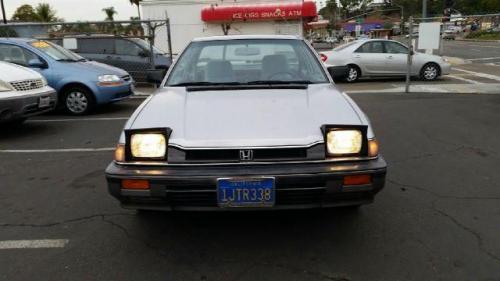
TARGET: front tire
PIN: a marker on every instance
(77, 101)
(353, 74)
(430, 72)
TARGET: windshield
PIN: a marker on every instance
(146, 46)
(247, 61)
(56, 52)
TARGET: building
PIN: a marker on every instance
(199, 18)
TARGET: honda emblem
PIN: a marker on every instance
(246, 155)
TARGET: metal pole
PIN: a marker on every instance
(3, 12)
(410, 53)
(169, 38)
(424, 8)
(151, 51)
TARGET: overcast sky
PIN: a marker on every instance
(78, 10)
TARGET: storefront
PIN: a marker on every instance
(198, 18)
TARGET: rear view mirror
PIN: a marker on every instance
(36, 63)
(155, 76)
(144, 53)
(338, 72)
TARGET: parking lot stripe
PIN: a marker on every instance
(79, 119)
(464, 79)
(479, 74)
(493, 58)
(33, 244)
(57, 150)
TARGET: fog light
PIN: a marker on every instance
(135, 184)
(357, 180)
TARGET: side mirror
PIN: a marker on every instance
(36, 63)
(338, 72)
(155, 76)
(144, 54)
(412, 52)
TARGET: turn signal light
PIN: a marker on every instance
(120, 153)
(135, 184)
(372, 148)
(357, 180)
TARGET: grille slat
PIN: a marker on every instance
(233, 155)
(27, 85)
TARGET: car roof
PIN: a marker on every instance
(242, 37)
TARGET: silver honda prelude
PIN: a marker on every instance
(246, 123)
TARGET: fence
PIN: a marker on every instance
(129, 45)
(429, 34)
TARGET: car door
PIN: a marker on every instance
(370, 57)
(397, 58)
(22, 56)
(132, 58)
(97, 49)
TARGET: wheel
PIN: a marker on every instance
(353, 74)
(77, 101)
(430, 72)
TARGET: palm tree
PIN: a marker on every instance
(110, 13)
(45, 13)
(136, 2)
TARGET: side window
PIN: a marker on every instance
(95, 46)
(395, 48)
(127, 48)
(13, 54)
(371, 47)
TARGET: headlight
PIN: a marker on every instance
(344, 142)
(4, 86)
(148, 145)
(109, 78)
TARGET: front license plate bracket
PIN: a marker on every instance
(246, 192)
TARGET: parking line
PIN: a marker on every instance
(479, 74)
(33, 244)
(79, 119)
(57, 150)
(492, 58)
(464, 79)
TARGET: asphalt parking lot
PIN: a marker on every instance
(437, 219)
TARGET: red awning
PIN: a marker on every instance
(306, 9)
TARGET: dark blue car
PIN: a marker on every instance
(81, 84)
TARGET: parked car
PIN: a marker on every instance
(449, 35)
(130, 54)
(377, 57)
(227, 132)
(80, 84)
(23, 93)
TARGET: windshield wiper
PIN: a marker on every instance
(188, 84)
(279, 82)
(67, 60)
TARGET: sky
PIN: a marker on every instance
(78, 10)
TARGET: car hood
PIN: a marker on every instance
(246, 118)
(12, 72)
(95, 67)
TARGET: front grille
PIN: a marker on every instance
(233, 155)
(27, 85)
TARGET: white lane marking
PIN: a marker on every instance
(484, 46)
(56, 150)
(492, 58)
(33, 244)
(79, 119)
(463, 79)
(479, 74)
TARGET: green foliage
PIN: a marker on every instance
(7, 32)
(484, 35)
(110, 13)
(436, 8)
(43, 12)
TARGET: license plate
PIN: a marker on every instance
(44, 102)
(246, 192)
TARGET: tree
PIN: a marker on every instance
(110, 13)
(136, 2)
(25, 13)
(45, 13)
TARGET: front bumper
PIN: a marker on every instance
(111, 94)
(19, 105)
(298, 186)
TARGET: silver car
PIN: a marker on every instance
(376, 58)
(247, 122)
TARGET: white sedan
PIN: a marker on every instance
(23, 93)
(246, 122)
(383, 58)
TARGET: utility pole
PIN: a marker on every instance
(3, 12)
(424, 8)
